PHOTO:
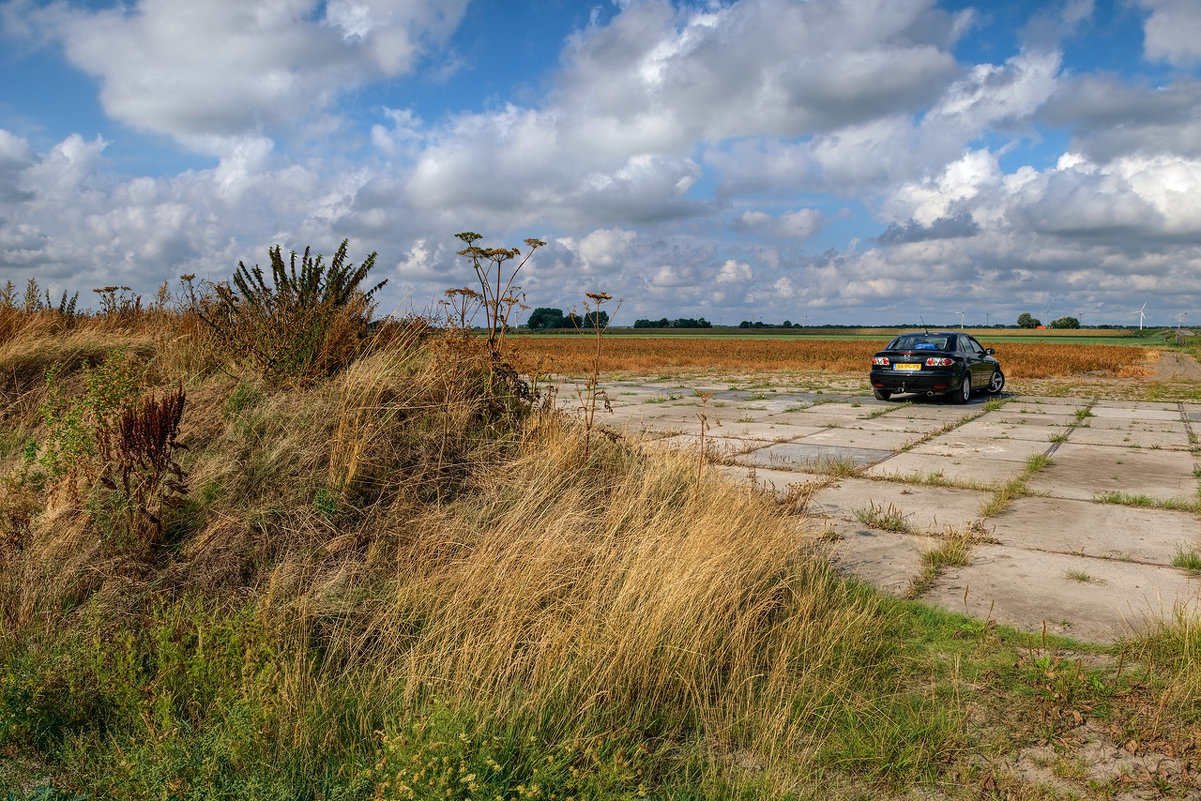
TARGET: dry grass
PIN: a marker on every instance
(650, 355)
(411, 536)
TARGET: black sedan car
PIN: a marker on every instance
(936, 363)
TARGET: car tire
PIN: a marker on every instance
(996, 383)
(964, 393)
(882, 394)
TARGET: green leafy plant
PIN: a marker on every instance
(290, 323)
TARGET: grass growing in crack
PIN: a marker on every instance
(885, 518)
(1036, 462)
(1005, 494)
(955, 551)
(948, 428)
(1058, 438)
(1015, 487)
(994, 404)
(1190, 560)
(1082, 577)
(1147, 502)
(887, 410)
(934, 479)
(840, 466)
(1083, 414)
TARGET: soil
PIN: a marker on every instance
(1173, 365)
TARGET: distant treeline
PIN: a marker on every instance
(545, 319)
(682, 322)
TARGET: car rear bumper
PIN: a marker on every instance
(926, 380)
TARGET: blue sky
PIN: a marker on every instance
(835, 161)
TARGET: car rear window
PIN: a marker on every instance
(920, 342)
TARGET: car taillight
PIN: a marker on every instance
(939, 361)
(882, 361)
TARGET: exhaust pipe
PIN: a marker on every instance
(929, 393)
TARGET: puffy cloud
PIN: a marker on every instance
(785, 107)
(734, 272)
(800, 224)
(226, 68)
(1111, 117)
(1173, 31)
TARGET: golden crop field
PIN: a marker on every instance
(652, 355)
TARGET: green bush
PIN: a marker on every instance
(291, 324)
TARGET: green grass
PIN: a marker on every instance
(1147, 502)
(1016, 487)
(1082, 577)
(885, 518)
(1190, 560)
(954, 551)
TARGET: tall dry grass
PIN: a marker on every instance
(626, 594)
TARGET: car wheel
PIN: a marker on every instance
(965, 389)
(996, 383)
(882, 394)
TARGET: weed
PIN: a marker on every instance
(841, 466)
(1082, 577)
(955, 551)
(138, 462)
(1036, 462)
(1146, 501)
(1190, 560)
(888, 518)
(1058, 438)
(498, 293)
(294, 325)
(592, 388)
(994, 404)
(1083, 414)
(703, 417)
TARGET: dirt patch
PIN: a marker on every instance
(1173, 365)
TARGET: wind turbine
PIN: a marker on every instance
(1141, 316)
(961, 311)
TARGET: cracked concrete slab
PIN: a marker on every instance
(967, 450)
(1106, 531)
(781, 483)
(1085, 471)
(816, 457)
(886, 561)
(1176, 439)
(1075, 596)
(921, 467)
(924, 509)
(857, 438)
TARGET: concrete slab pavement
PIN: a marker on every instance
(1057, 557)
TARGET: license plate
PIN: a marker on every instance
(904, 366)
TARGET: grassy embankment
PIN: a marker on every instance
(385, 573)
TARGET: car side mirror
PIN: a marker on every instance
(989, 351)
